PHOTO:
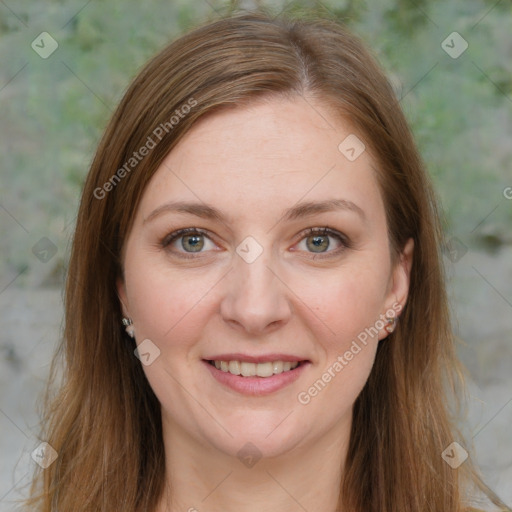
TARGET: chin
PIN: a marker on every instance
(256, 437)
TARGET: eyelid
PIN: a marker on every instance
(324, 231)
(171, 237)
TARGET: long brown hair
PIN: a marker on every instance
(104, 421)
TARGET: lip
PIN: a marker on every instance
(256, 386)
(263, 358)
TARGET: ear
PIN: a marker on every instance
(121, 293)
(400, 279)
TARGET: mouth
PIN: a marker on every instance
(255, 378)
(249, 369)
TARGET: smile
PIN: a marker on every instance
(246, 369)
(253, 378)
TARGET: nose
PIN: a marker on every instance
(257, 300)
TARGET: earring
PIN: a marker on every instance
(391, 324)
(128, 323)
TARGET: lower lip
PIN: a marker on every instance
(257, 386)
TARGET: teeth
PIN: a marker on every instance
(264, 370)
(255, 369)
(247, 369)
(234, 367)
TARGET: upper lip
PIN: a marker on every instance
(263, 358)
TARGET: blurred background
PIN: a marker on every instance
(65, 65)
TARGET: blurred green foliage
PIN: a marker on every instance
(52, 111)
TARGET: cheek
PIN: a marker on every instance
(346, 301)
(163, 304)
(349, 306)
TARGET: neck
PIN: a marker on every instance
(201, 477)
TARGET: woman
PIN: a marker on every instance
(256, 317)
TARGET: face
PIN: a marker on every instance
(263, 278)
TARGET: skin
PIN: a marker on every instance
(253, 163)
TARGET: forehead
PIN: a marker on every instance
(266, 157)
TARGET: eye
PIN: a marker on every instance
(188, 240)
(316, 240)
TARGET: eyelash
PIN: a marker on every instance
(345, 242)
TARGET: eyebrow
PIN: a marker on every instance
(304, 209)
